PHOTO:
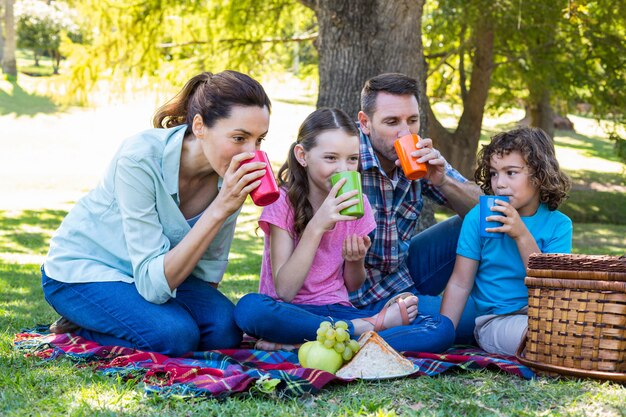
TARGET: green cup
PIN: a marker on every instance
(353, 182)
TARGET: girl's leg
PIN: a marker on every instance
(113, 313)
(261, 316)
(212, 312)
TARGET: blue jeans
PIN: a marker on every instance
(431, 258)
(261, 316)
(114, 314)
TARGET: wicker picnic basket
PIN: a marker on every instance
(576, 316)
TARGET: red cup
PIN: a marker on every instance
(267, 192)
(413, 170)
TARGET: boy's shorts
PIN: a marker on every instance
(501, 334)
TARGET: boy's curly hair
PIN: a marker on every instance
(537, 149)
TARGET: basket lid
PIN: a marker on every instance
(560, 265)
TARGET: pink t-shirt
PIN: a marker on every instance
(324, 283)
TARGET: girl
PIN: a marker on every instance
(314, 255)
(520, 164)
(137, 261)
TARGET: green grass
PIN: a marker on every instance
(32, 387)
(26, 64)
(29, 386)
(589, 206)
(15, 100)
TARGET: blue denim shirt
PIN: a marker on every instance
(123, 228)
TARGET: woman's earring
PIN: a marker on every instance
(303, 163)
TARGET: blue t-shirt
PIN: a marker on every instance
(499, 284)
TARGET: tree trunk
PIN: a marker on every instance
(357, 43)
(1, 33)
(9, 65)
(459, 147)
(540, 110)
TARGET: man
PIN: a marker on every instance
(398, 261)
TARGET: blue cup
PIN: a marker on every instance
(486, 202)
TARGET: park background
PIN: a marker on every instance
(80, 76)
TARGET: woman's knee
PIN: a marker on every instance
(224, 333)
(173, 338)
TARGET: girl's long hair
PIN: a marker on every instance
(293, 176)
(537, 149)
(212, 96)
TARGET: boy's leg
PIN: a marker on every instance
(113, 313)
(501, 334)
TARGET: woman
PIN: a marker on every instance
(137, 261)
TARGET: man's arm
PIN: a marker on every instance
(461, 196)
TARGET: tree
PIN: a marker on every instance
(355, 43)
(40, 25)
(546, 54)
(1, 33)
(480, 53)
(9, 65)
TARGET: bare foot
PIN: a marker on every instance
(392, 317)
(63, 325)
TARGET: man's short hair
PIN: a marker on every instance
(392, 83)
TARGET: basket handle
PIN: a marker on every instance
(581, 373)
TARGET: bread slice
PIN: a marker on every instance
(375, 359)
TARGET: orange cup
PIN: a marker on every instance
(413, 170)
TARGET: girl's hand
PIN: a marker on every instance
(512, 224)
(355, 247)
(328, 213)
(239, 180)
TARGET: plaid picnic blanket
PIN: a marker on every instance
(224, 372)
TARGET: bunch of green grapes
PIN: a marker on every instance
(337, 337)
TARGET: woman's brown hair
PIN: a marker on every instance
(212, 96)
(537, 149)
(293, 176)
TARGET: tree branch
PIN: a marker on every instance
(303, 38)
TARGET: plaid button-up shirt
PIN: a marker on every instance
(397, 213)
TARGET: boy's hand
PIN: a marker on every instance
(355, 247)
(512, 224)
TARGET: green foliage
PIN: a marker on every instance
(573, 49)
(175, 40)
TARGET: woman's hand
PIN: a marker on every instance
(355, 247)
(239, 180)
(328, 213)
